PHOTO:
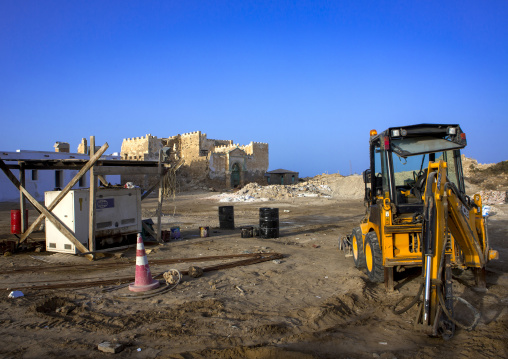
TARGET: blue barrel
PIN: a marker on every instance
(175, 233)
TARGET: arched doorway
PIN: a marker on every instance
(235, 175)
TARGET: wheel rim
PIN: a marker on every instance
(355, 247)
(368, 257)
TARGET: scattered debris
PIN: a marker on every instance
(108, 347)
(172, 276)
(195, 272)
(240, 289)
(16, 294)
(493, 197)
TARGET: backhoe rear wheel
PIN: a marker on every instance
(357, 244)
(374, 258)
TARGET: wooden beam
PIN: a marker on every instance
(151, 189)
(118, 170)
(93, 187)
(56, 222)
(22, 201)
(159, 207)
(103, 181)
(148, 229)
(47, 165)
(112, 249)
(66, 189)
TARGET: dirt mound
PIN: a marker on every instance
(265, 352)
(490, 180)
(351, 187)
(470, 166)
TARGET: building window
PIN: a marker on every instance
(35, 175)
(82, 181)
(293, 179)
(58, 179)
(268, 180)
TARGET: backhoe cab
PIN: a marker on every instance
(418, 214)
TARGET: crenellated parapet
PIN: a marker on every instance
(204, 157)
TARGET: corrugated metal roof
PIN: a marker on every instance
(281, 171)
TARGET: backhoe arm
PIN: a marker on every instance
(453, 233)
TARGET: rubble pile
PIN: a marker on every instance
(493, 197)
(492, 190)
(323, 186)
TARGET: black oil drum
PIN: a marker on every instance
(247, 232)
(227, 217)
(269, 222)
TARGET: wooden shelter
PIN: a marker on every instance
(97, 168)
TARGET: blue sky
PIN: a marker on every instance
(311, 78)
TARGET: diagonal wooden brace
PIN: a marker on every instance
(56, 222)
(44, 211)
(154, 186)
(60, 196)
(66, 189)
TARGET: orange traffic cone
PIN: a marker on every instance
(143, 280)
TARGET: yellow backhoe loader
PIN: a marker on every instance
(418, 215)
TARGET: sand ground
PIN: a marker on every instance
(313, 303)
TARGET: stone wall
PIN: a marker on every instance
(204, 158)
(141, 148)
(83, 146)
(257, 161)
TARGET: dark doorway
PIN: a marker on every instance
(235, 175)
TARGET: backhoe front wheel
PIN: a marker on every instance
(373, 258)
(357, 245)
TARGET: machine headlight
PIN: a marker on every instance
(395, 133)
(452, 130)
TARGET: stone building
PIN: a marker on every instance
(219, 161)
(281, 176)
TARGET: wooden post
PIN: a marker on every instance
(62, 194)
(93, 187)
(22, 201)
(389, 279)
(159, 208)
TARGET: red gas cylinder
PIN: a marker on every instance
(16, 220)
